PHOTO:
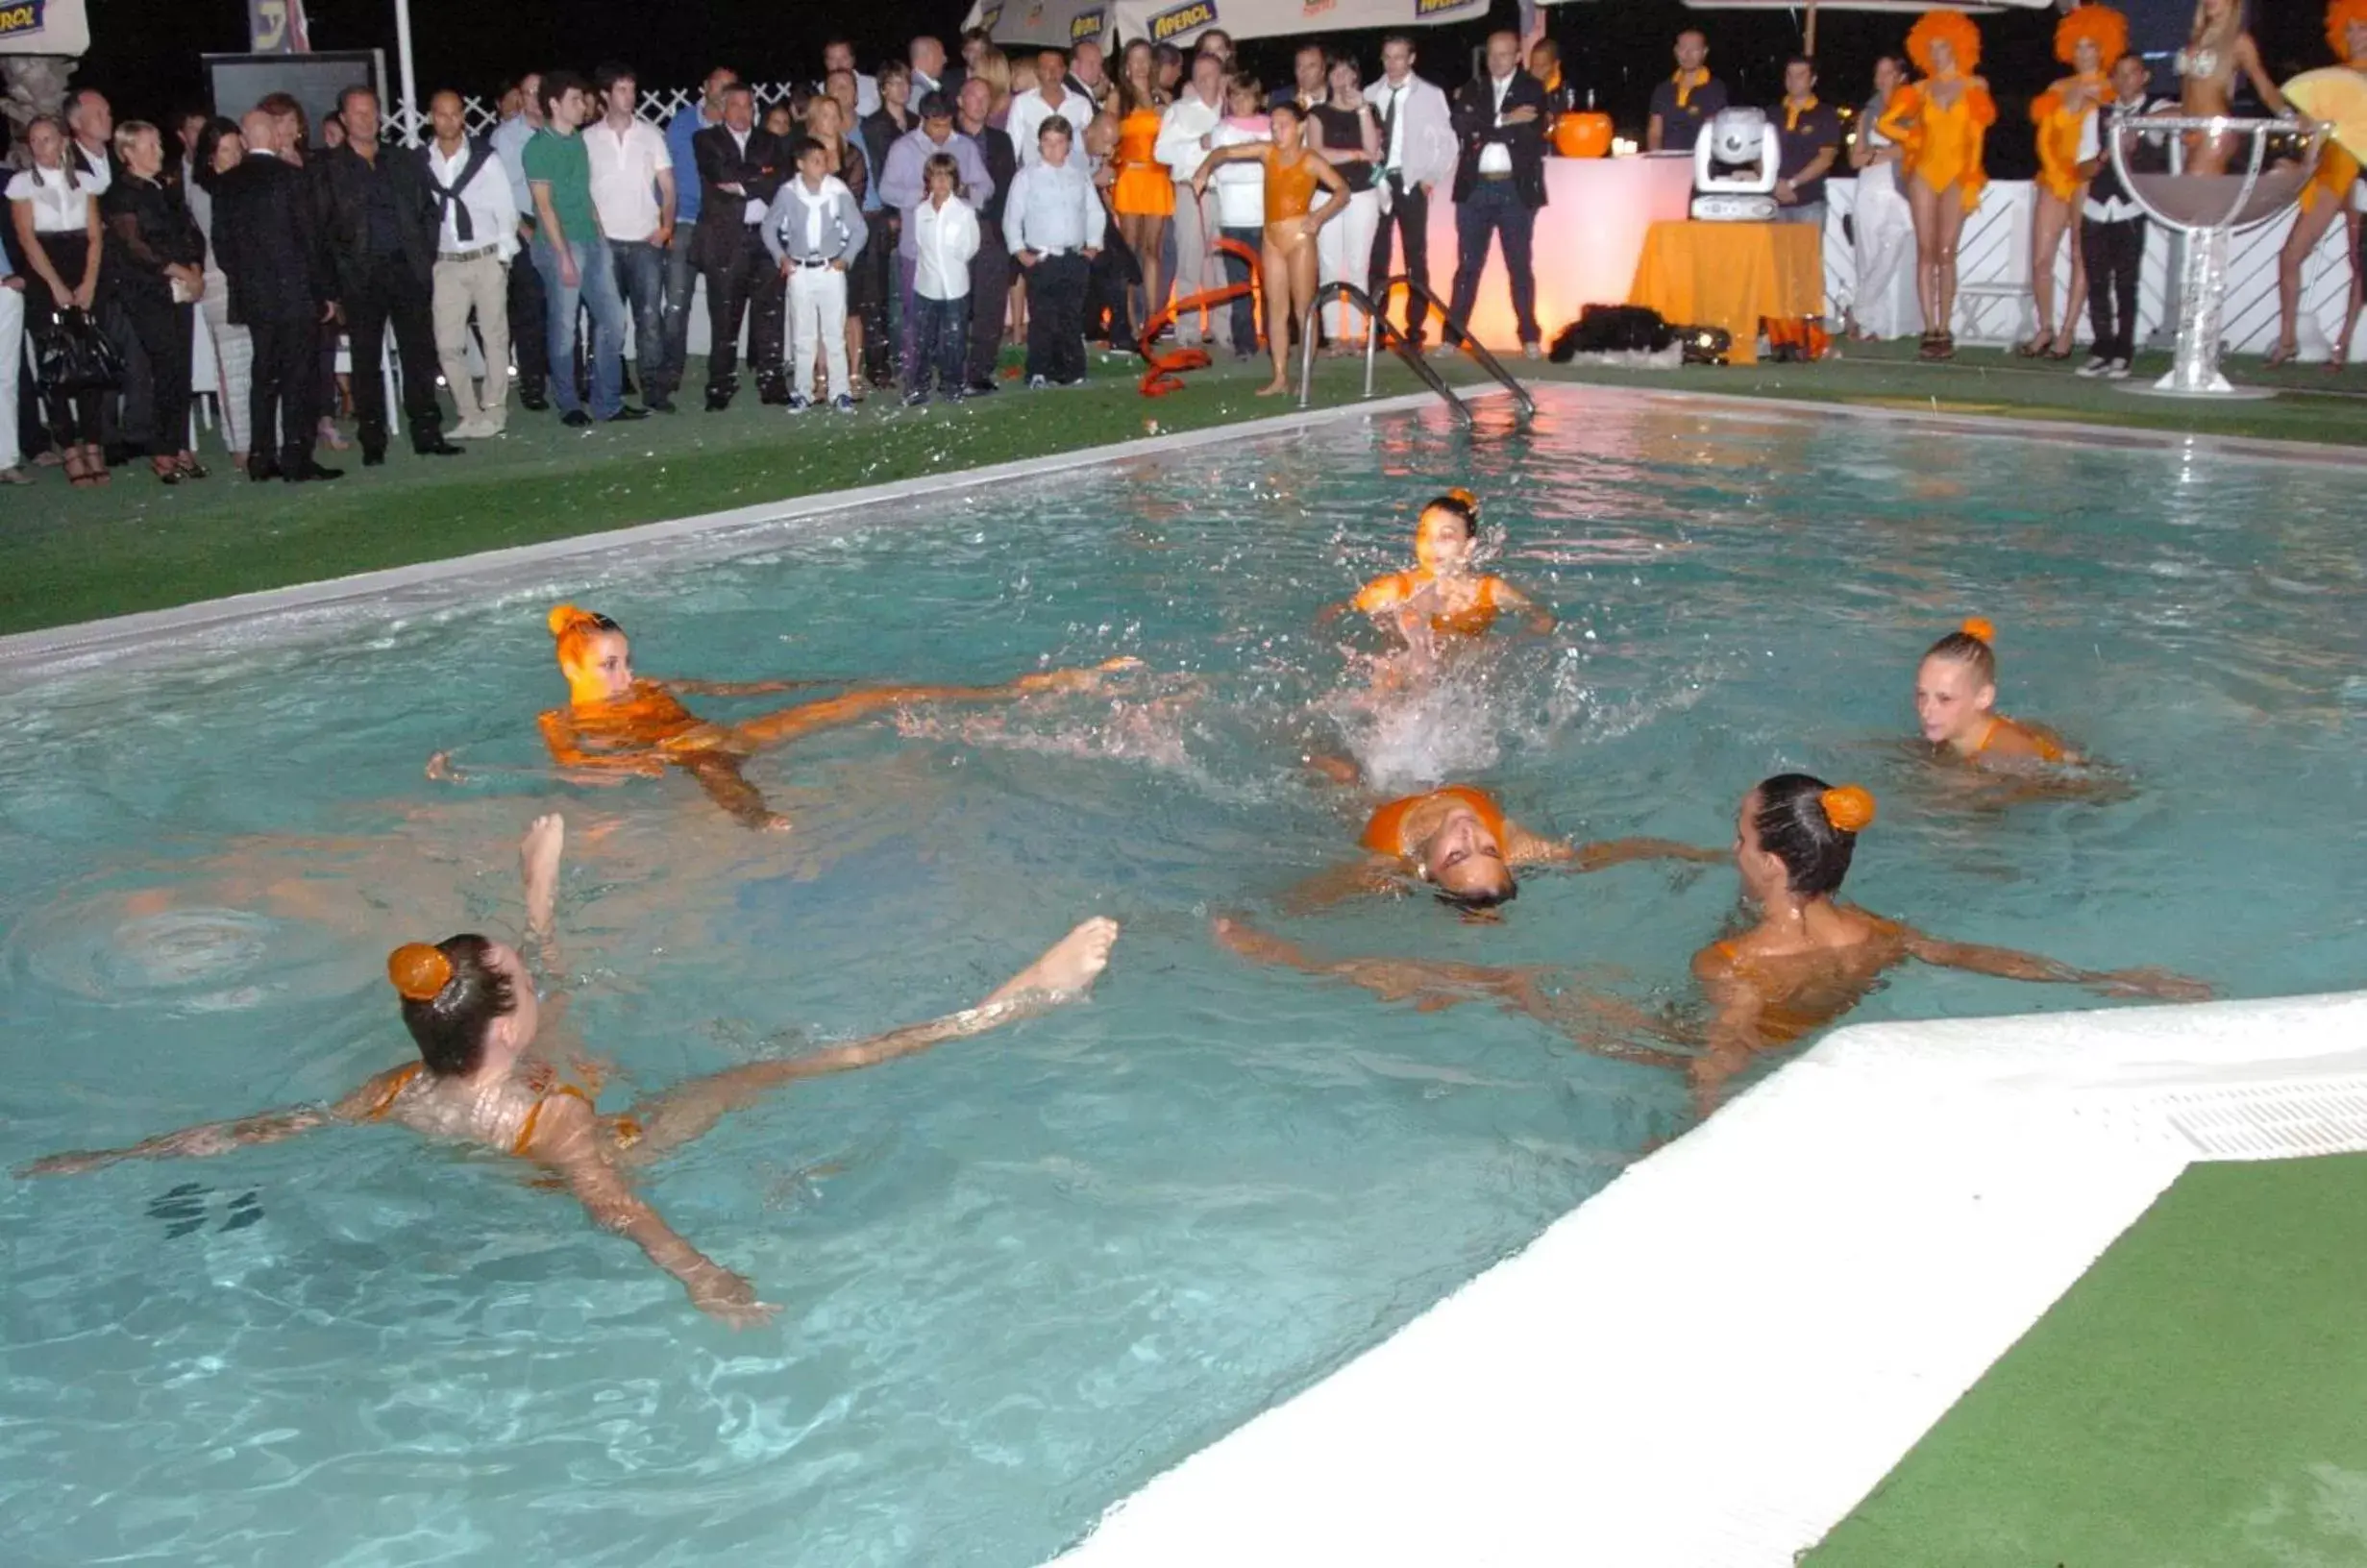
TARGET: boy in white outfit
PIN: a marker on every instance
(944, 237)
(814, 229)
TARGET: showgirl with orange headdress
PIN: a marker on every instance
(1941, 122)
(470, 1005)
(2328, 194)
(1806, 960)
(1955, 699)
(2088, 40)
(615, 722)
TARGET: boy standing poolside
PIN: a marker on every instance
(1053, 227)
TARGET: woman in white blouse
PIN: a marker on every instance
(58, 234)
(1884, 229)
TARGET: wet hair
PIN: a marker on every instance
(450, 1026)
(1796, 825)
(1476, 902)
(1462, 504)
(1969, 643)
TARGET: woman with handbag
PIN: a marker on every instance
(57, 223)
(160, 273)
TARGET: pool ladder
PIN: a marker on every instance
(1450, 331)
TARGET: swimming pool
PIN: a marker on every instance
(1023, 1273)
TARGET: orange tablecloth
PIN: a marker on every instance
(1730, 275)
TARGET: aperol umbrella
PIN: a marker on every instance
(2336, 97)
(1813, 6)
(1061, 24)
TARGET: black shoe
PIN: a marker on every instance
(915, 398)
(439, 448)
(625, 416)
(574, 419)
(662, 405)
(981, 389)
(117, 453)
(533, 400)
(374, 458)
(774, 396)
(259, 470)
(312, 472)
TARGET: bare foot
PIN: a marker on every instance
(1069, 967)
(775, 822)
(539, 866)
(1274, 389)
(1248, 940)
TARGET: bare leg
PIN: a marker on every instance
(2359, 295)
(2077, 304)
(1142, 232)
(1923, 205)
(538, 867)
(2308, 227)
(1949, 212)
(1065, 973)
(791, 723)
(2050, 215)
(719, 776)
(1276, 270)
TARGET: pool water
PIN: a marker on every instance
(1023, 1273)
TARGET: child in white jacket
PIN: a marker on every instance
(944, 237)
(814, 230)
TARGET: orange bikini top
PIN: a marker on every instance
(1289, 188)
(1472, 621)
(2048, 750)
(649, 716)
(1385, 830)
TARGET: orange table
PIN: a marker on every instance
(1730, 275)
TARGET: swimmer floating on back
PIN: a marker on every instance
(1459, 843)
(471, 1008)
(617, 721)
(1955, 689)
(1805, 962)
(1441, 594)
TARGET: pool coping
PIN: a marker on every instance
(1711, 1362)
(27, 657)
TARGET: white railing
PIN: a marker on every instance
(658, 105)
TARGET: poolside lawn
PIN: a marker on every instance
(73, 555)
(2197, 1400)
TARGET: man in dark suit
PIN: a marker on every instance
(382, 228)
(267, 239)
(741, 169)
(1499, 121)
(990, 269)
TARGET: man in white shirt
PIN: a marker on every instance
(1054, 224)
(1184, 133)
(477, 235)
(1050, 96)
(1417, 156)
(527, 308)
(838, 55)
(632, 193)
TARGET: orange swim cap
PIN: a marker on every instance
(1979, 630)
(1849, 808)
(420, 972)
(1464, 495)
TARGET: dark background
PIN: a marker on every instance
(145, 53)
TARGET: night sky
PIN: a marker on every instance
(145, 53)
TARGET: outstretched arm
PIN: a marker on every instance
(741, 688)
(1527, 849)
(208, 1138)
(2010, 964)
(2249, 54)
(1364, 878)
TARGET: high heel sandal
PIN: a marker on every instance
(96, 458)
(2033, 349)
(165, 470)
(189, 468)
(2060, 352)
(78, 469)
(2285, 353)
(1946, 348)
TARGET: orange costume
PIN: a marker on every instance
(1144, 188)
(1942, 144)
(2059, 127)
(1401, 587)
(2049, 749)
(1385, 831)
(1289, 188)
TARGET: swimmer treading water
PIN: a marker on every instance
(1955, 701)
(1441, 597)
(471, 1007)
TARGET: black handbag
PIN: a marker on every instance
(71, 355)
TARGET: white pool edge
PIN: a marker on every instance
(1711, 1362)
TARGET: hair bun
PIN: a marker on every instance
(1981, 630)
(1459, 494)
(419, 971)
(565, 618)
(1849, 808)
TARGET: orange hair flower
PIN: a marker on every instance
(420, 972)
(2100, 25)
(2340, 17)
(1980, 629)
(566, 617)
(1472, 502)
(1955, 29)
(1849, 808)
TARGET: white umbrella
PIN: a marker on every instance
(1044, 24)
(62, 27)
(1062, 24)
(1813, 6)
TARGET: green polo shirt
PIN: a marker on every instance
(565, 164)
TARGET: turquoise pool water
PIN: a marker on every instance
(1023, 1274)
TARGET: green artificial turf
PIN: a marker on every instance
(2197, 1400)
(70, 555)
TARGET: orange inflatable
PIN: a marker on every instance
(1585, 134)
(1168, 365)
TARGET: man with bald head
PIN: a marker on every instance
(266, 236)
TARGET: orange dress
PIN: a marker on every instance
(1289, 188)
(1943, 145)
(1472, 621)
(1385, 830)
(2059, 131)
(1144, 188)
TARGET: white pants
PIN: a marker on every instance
(817, 321)
(11, 357)
(233, 363)
(1886, 303)
(481, 284)
(1344, 254)
(1198, 268)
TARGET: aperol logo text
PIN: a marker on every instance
(1174, 24)
(24, 16)
(1087, 25)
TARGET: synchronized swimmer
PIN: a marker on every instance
(1441, 594)
(1955, 699)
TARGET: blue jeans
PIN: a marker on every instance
(680, 279)
(1496, 212)
(640, 269)
(941, 341)
(596, 287)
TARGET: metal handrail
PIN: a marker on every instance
(1452, 330)
(1378, 326)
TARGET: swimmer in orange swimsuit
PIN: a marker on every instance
(617, 722)
(1939, 125)
(1955, 689)
(1459, 844)
(1294, 172)
(2067, 118)
(1804, 962)
(470, 1006)
(1442, 593)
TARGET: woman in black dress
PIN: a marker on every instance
(159, 274)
